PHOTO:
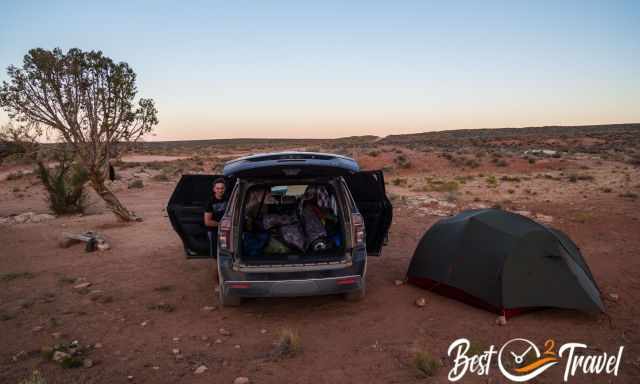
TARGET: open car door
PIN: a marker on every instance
(186, 212)
(368, 191)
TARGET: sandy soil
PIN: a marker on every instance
(373, 341)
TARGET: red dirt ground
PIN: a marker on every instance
(371, 341)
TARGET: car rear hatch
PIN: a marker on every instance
(291, 164)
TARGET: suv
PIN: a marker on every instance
(294, 225)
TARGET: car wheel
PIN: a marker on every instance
(359, 293)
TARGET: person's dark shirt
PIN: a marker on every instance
(216, 207)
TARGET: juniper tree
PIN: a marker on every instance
(88, 100)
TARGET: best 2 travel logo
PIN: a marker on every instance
(520, 360)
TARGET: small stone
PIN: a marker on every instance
(129, 378)
(19, 356)
(398, 283)
(144, 323)
(209, 308)
(103, 246)
(421, 302)
(176, 339)
(97, 345)
(614, 296)
(204, 338)
(59, 356)
(155, 368)
(82, 286)
(237, 346)
(87, 363)
(263, 331)
(200, 370)
(224, 332)
(241, 380)
(501, 320)
(175, 351)
(37, 328)
(218, 341)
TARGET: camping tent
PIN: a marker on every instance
(503, 262)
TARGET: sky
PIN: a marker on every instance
(324, 69)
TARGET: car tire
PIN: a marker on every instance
(358, 294)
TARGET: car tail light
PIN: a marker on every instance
(224, 234)
(239, 285)
(357, 227)
(346, 281)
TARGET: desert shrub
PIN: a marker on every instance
(163, 307)
(448, 186)
(374, 153)
(472, 163)
(399, 181)
(574, 177)
(501, 163)
(510, 178)
(10, 276)
(629, 195)
(425, 364)
(402, 161)
(606, 190)
(160, 177)
(492, 182)
(64, 185)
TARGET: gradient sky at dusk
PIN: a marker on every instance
(338, 68)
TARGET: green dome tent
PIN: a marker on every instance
(504, 262)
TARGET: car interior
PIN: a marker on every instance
(291, 223)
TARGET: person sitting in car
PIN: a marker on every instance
(214, 211)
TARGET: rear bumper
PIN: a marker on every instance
(327, 281)
(290, 288)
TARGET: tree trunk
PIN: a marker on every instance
(121, 212)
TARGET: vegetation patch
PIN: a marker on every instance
(288, 344)
(163, 307)
(10, 276)
(402, 161)
(492, 182)
(425, 364)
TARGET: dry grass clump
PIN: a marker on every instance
(35, 378)
(10, 276)
(288, 344)
(582, 217)
(425, 364)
